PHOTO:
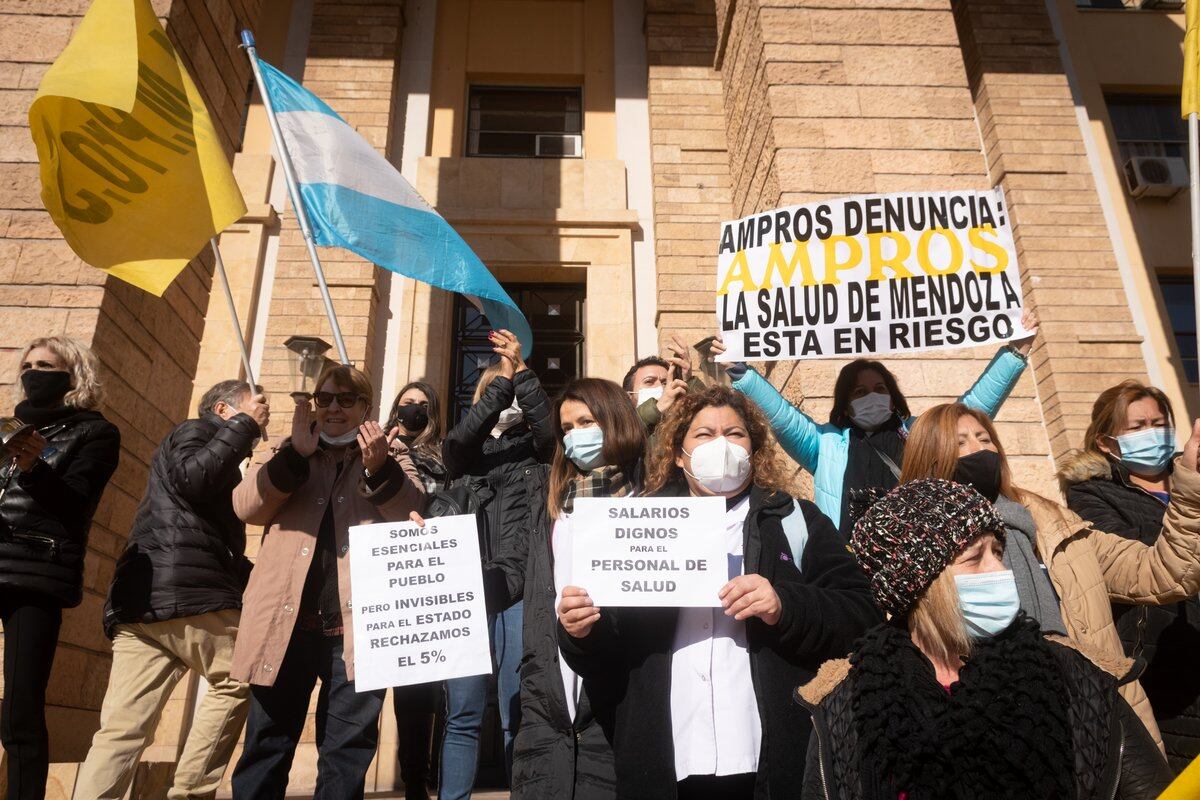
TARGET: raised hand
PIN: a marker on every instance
(576, 612)
(1192, 449)
(1030, 322)
(671, 392)
(374, 444)
(260, 411)
(751, 596)
(306, 429)
(679, 357)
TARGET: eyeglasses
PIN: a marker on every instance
(344, 399)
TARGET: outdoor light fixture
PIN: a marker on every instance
(307, 359)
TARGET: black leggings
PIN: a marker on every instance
(30, 638)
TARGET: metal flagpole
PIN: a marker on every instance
(289, 174)
(233, 313)
(1194, 166)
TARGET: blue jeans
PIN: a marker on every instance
(466, 699)
(347, 725)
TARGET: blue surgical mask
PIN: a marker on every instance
(585, 446)
(1147, 452)
(989, 602)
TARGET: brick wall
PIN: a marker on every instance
(690, 161)
(1036, 153)
(148, 346)
(844, 97)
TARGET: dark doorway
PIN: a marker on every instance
(555, 313)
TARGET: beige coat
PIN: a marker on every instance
(272, 598)
(1090, 568)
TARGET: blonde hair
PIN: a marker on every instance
(936, 622)
(86, 391)
(485, 379)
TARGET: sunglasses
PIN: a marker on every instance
(344, 399)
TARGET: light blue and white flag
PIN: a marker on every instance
(358, 201)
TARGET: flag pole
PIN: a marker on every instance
(289, 174)
(233, 313)
(1194, 167)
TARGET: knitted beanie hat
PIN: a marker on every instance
(905, 539)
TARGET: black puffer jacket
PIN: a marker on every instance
(186, 555)
(46, 513)
(626, 659)
(553, 756)
(1093, 742)
(514, 463)
(1167, 638)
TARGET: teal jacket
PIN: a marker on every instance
(824, 449)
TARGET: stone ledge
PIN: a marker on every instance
(565, 218)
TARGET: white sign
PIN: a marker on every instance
(868, 275)
(417, 603)
(650, 551)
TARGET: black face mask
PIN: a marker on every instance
(413, 417)
(980, 470)
(45, 387)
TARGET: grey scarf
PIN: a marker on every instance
(1033, 582)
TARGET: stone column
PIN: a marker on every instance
(860, 97)
(1036, 153)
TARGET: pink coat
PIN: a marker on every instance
(291, 522)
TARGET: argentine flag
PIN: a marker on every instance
(357, 200)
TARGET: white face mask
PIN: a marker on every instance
(508, 417)
(345, 440)
(719, 465)
(871, 410)
(649, 393)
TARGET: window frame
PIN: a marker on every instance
(472, 88)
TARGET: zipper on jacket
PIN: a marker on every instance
(821, 764)
(38, 540)
(1120, 757)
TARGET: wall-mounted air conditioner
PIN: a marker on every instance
(559, 145)
(1155, 176)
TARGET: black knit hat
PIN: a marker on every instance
(905, 539)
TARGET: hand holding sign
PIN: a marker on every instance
(576, 612)
(751, 596)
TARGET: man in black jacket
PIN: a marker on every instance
(175, 601)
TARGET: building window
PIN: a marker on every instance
(1148, 125)
(1181, 312)
(525, 122)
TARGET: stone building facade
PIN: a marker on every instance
(687, 113)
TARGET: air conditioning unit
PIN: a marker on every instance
(1155, 176)
(558, 145)
(1161, 5)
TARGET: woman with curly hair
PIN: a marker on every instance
(702, 696)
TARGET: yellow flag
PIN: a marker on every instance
(1191, 62)
(1186, 786)
(132, 170)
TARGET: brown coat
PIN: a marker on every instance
(1090, 568)
(292, 521)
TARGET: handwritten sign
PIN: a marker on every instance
(653, 551)
(417, 603)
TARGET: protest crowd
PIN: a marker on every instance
(631, 565)
(924, 629)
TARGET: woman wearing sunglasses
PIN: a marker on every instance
(338, 469)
